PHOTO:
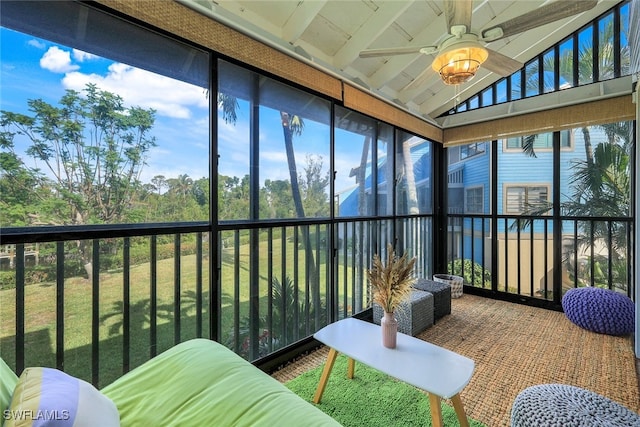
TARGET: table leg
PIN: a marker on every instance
(328, 366)
(436, 410)
(457, 405)
(350, 368)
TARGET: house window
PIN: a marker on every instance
(462, 152)
(474, 200)
(541, 141)
(522, 198)
(471, 150)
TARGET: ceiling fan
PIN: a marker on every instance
(462, 51)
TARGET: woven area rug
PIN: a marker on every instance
(516, 346)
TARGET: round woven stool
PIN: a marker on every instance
(600, 310)
(561, 405)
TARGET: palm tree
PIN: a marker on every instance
(361, 178)
(181, 185)
(410, 178)
(606, 71)
(292, 125)
(600, 183)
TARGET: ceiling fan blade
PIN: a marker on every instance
(390, 51)
(458, 12)
(501, 64)
(543, 15)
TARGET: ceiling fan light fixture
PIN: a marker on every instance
(459, 62)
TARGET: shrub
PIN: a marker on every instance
(35, 275)
(472, 273)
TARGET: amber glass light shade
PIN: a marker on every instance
(460, 62)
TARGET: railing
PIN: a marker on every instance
(98, 307)
(104, 299)
(523, 256)
(298, 278)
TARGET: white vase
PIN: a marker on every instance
(389, 327)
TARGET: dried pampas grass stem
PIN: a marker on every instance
(391, 282)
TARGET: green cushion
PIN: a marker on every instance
(202, 383)
(8, 381)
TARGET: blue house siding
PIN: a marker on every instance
(516, 168)
(422, 169)
(475, 172)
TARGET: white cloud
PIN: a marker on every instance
(57, 61)
(183, 146)
(37, 44)
(169, 97)
(82, 56)
(274, 156)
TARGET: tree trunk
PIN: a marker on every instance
(588, 148)
(297, 200)
(291, 161)
(412, 192)
(362, 176)
(362, 210)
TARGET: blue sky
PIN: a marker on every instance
(35, 68)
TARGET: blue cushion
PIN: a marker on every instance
(600, 310)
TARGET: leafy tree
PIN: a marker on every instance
(276, 200)
(180, 186)
(288, 322)
(313, 186)
(292, 125)
(600, 187)
(159, 183)
(23, 190)
(200, 191)
(233, 197)
(93, 148)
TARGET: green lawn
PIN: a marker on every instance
(40, 310)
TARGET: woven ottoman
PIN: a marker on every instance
(414, 316)
(561, 405)
(441, 296)
(600, 310)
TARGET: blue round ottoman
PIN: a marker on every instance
(561, 405)
(600, 310)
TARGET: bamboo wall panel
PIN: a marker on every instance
(590, 113)
(191, 25)
(368, 104)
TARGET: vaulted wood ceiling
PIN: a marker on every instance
(331, 34)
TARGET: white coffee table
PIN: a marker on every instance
(436, 370)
